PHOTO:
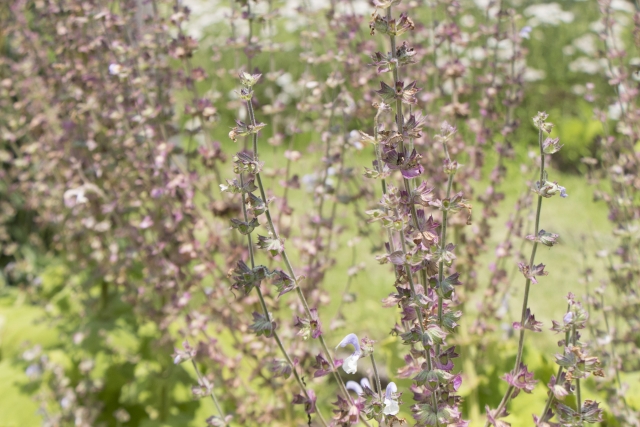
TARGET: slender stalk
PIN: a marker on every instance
(383, 182)
(323, 182)
(613, 348)
(443, 239)
(288, 265)
(578, 395)
(400, 129)
(347, 286)
(550, 398)
(525, 300)
(266, 312)
(334, 205)
(376, 375)
(212, 394)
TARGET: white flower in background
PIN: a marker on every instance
(585, 65)
(355, 140)
(622, 5)
(309, 181)
(615, 111)
(75, 196)
(467, 21)
(532, 75)
(391, 406)
(350, 364)
(114, 69)
(587, 43)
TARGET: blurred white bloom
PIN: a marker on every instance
(482, 4)
(532, 75)
(114, 69)
(547, 13)
(584, 65)
(586, 43)
(309, 181)
(468, 20)
(355, 140)
(578, 90)
(284, 79)
(476, 53)
(615, 111)
(622, 5)
(75, 196)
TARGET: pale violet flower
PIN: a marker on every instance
(391, 406)
(183, 355)
(33, 372)
(350, 364)
(358, 388)
(525, 32)
(115, 69)
(563, 191)
(354, 386)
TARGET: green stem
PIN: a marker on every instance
(400, 128)
(289, 266)
(212, 394)
(578, 394)
(443, 238)
(550, 398)
(266, 311)
(376, 375)
(527, 286)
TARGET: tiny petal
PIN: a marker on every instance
(391, 388)
(350, 339)
(350, 364)
(354, 386)
(391, 407)
(563, 191)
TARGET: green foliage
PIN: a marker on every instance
(125, 357)
(578, 135)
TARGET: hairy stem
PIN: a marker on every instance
(265, 311)
(212, 394)
(288, 264)
(525, 300)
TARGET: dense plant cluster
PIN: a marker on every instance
(232, 211)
